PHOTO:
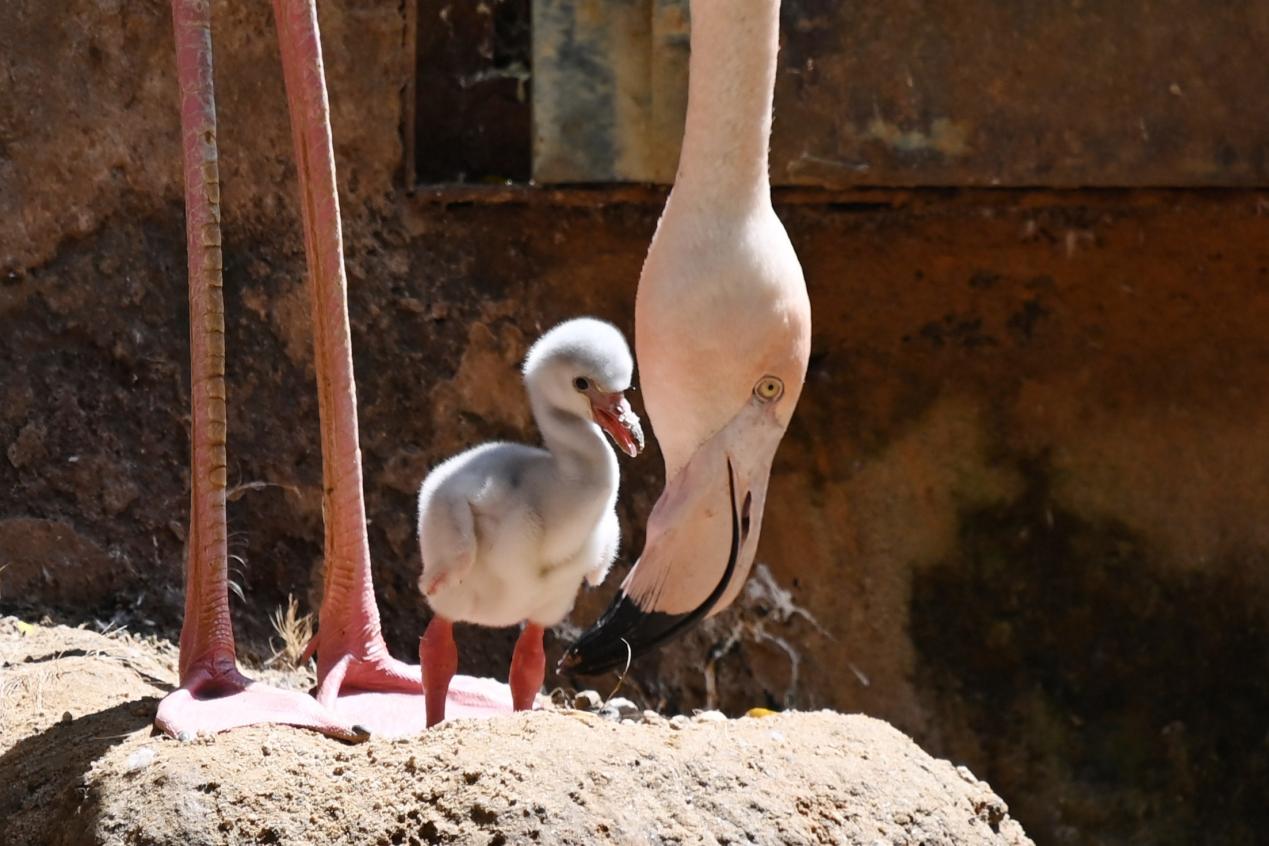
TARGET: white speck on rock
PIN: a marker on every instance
(140, 759)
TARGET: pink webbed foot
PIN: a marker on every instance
(369, 670)
(386, 696)
(216, 697)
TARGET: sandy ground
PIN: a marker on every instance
(79, 764)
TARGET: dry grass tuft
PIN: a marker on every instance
(295, 631)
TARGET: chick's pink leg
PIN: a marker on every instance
(438, 657)
(528, 668)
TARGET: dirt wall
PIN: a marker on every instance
(1019, 512)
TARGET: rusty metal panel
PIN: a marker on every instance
(984, 92)
(592, 90)
(912, 92)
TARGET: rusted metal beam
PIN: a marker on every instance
(911, 93)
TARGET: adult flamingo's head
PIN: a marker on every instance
(721, 377)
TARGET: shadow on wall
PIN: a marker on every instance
(1102, 692)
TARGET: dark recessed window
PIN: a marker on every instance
(472, 95)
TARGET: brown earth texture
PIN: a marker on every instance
(79, 764)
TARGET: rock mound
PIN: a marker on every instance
(79, 765)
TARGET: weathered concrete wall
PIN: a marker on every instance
(87, 123)
(1020, 512)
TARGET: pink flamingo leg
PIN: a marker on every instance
(528, 668)
(213, 696)
(352, 660)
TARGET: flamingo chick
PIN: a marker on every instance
(508, 532)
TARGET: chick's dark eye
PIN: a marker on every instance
(581, 384)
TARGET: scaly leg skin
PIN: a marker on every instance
(528, 668)
(357, 678)
(214, 696)
(349, 645)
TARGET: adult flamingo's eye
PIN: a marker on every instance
(768, 388)
(581, 384)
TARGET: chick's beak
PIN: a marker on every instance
(615, 416)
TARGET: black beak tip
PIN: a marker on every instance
(623, 633)
(589, 657)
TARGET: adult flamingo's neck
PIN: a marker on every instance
(723, 162)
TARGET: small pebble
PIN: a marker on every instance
(627, 721)
(711, 717)
(653, 718)
(67, 718)
(678, 721)
(624, 707)
(185, 737)
(588, 700)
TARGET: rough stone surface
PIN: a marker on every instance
(95, 775)
(1019, 514)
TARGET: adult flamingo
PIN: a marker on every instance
(722, 337)
(361, 687)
